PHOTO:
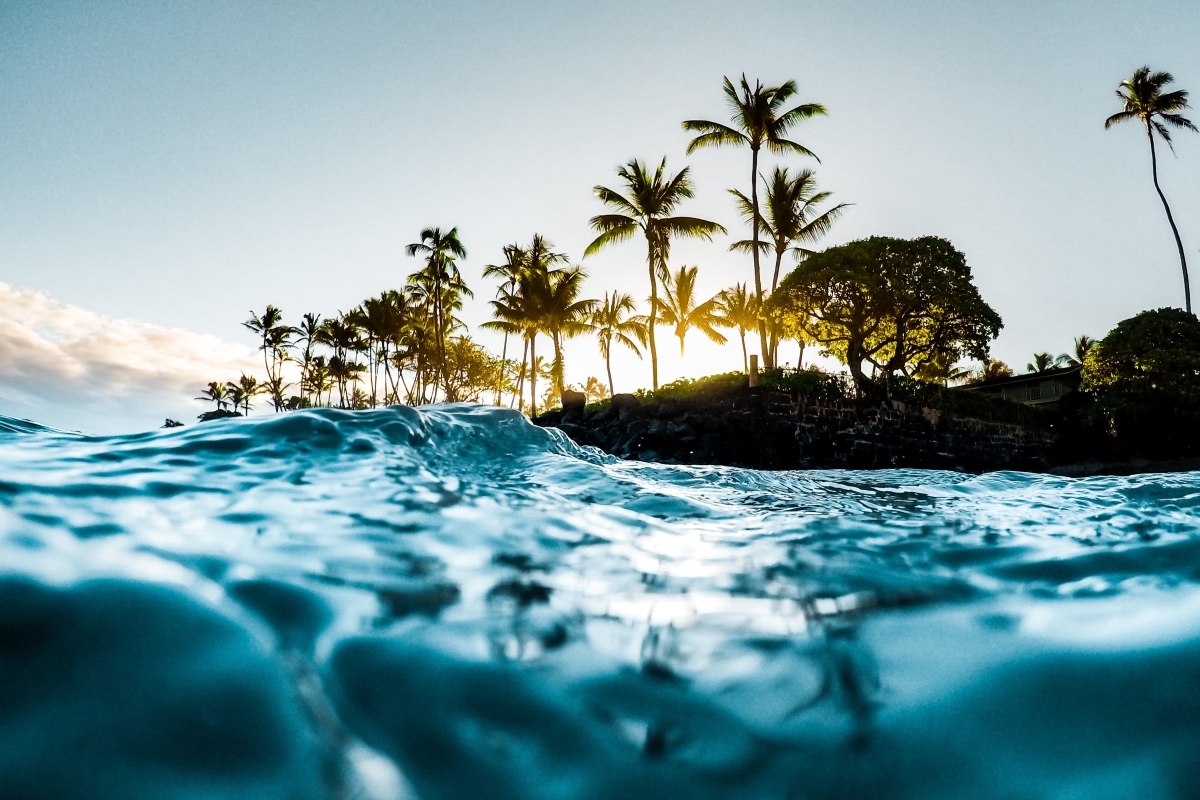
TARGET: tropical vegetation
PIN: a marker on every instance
(894, 304)
(906, 311)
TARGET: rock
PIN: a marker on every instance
(628, 408)
(220, 413)
(172, 423)
(776, 430)
(573, 400)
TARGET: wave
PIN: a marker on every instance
(451, 602)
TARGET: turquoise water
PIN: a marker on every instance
(451, 603)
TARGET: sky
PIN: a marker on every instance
(166, 168)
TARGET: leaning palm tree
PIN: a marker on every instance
(647, 204)
(613, 321)
(681, 311)
(738, 308)
(1144, 100)
(757, 122)
(792, 220)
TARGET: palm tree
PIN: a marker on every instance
(242, 391)
(792, 220)
(757, 121)
(1144, 100)
(646, 206)
(441, 250)
(308, 335)
(540, 298)
(564, 315)
(1041, 362)
(1083, 344)
(738, 308)
(274, 341)
(515, 259)
(994, 369)
(217, 393)
(594, 389)
(612, 322)
(318, 380)
(680, 309)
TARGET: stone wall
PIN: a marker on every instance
(776, 430)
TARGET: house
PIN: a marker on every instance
(1034, 389)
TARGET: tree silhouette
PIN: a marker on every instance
(681, 311)
(647, 205)
(756, 122)
(793, 219)
(1143, 99)
(738, 309)
(614, 321)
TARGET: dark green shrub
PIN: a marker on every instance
(711, 387)
(810, 383)
(1145, 379)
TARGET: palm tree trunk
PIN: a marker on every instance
(774, 328)
(653, 316)
(762, 325)
(503, 356)
(1187, 289)
(745, 358)
(559, 367)
(520, 397)
(533, 376)
(612, 389)
(800, 360)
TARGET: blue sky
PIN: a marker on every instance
(179, 164)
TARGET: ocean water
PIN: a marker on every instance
(451, 603)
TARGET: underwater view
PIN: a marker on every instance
(450, 602)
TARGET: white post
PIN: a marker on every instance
(754, 370)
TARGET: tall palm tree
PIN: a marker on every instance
(307, 335)
(275, 341)
(536, 300)
(647, 205)
(756, 122)
(613, 321)
(792, 220)
(1144, 100)
(509, 272)
(738, 308)
(681, 311)
(441, 249)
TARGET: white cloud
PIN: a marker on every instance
(65, 366)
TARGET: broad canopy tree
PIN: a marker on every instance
(895, 304)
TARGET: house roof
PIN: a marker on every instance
(1028, 377)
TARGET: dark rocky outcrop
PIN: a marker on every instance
(221, 413)
(765, 429)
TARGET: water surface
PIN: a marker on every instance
(450, 603)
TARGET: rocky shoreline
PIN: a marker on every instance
(775, 430)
